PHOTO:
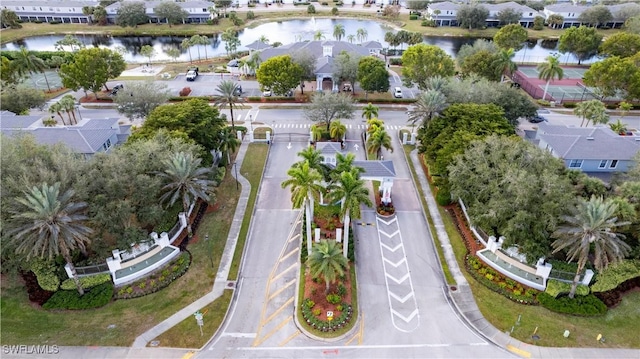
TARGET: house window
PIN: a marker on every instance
(107, 145)
(204, 10)
(613, 164)
(40, 9)
(603, 164)
(575, 164)
(23, 8)
(530, 14)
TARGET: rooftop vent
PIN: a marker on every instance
(590, 138)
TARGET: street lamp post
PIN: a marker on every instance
(235, 169)
(79, 113)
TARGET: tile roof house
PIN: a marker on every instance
(50, 10)
(323, 51)
(589, 149)
(87, 138)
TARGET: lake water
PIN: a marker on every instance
(283, 31)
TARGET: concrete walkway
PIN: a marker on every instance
(220, 282)
(464, 302)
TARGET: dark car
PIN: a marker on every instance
(536, 119)
(238, 91)
(116, 88)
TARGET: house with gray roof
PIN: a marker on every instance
(324, 52)
(589, 149)
(68, 12)
(569, 12)
(89, 137)
(446, 13)
(198, 11)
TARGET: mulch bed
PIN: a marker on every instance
(316, 292)
(325, 226)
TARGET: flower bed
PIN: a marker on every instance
(159, 280)
(498, 283)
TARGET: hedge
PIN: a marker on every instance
(616, 274)
(556, 287)
(159, 280)
(86, 282)
(70, 299)
(45, 272)
(322, 325)
(479, 271)
(394, 100)
(588, 305)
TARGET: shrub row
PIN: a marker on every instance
(498, 283)
(45, 272)
(87, 282)
(157, 281)
(389, 100)
(323, 325)
(70, 299)
(556, 288)
(588, 305)
(615, 275)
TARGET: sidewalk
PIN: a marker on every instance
(220, 282)
(464, 302)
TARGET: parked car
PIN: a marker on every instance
(238, 91)
(267, 93)
(397, 92)
(232, 63)
(289, 93)
(192, 74)
(116, 88)
(536, 119)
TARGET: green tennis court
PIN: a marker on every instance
(569, 72)
(38, 80)
(574, 93)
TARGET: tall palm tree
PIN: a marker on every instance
(186, 44)
(318, 35)
(316, 132)
(337, 130)
(351, 38)
(326, 262)
(68, 104)
(228, 96)
(305, 188)
(26, 62)
(338, 32)
(228, 142)
(504, 63)
(349, 189)
(373, 124)
(47, 223)
(344, 163)
(592, 226)
(591, 111)
(370, 111)
(315, 160)
(263, 39)
(57, 108)
(185, 180)
(436, 12)
(204, 41)
(196, 40)
(377, 140)
(428, 104)
(436, 83)
(362, 34)
(549, 71)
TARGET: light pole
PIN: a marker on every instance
(79, 113)
(209, 249)
(235, 169)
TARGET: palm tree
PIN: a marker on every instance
(228, 96)
(379, 139)
(373, 124)
(185, 180)
(504, 63)
(57, 108)
(186, 44)
(316, 132)
(204, 41)
(436, 12)
(362, 35)
(337, 130)
(26, 62)
(436, 83)
(338, 32)
(592, 111)
(228, 142)
(46, 222)
(351, 38)
(369, 111)
(263, 39)
(318, 35)
(618, 127)
(326, 262)
(591, 226)
(549, 71)
(344, 163)
(305, 188)
(315, 160)
(68, 104)
(428, 104)
(350, 189)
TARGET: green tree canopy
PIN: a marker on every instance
(373, 75)
(345, 67)
(478, 45)
(615, 75)
(509, 16)
(91, 69)
(513, 189)
(325, 107)
(421, 62)
(171, 12)
(231, 41)
(632, 25)
(280, 74)
(483, 64)
(326, 262)
(472, 16)
(192, 119)
(10, 19)
(596, 16)
(583, 42)
(131, 14)
(621, 44)
(138, 99)
(511, 36)
(307, 63)
(19, 99)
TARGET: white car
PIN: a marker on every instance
(266, 93)
(397, 92)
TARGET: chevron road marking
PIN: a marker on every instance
(392, 249)
(387, 234)
(395, 265)
(398, 281)
(406, 319)
(401, 300)
(394, 219)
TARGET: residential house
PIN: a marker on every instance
(198, 11)
(618, 10)
(89, 137)
(569, 12)
(445, 13)
(50, 10)
(324, 52)
(593, 150)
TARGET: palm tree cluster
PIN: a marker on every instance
(377, 138)
(66, 104)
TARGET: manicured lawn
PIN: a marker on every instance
(24, 323)
(186, 334)
(252, 168)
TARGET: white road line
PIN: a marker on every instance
(239, 335)
(402, 300)
(399, 281)
(379, 346)
(392, 249)
(406, 319)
